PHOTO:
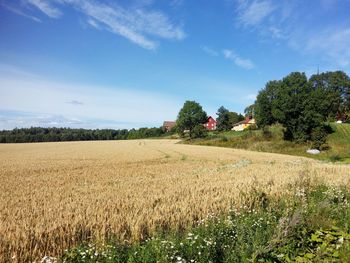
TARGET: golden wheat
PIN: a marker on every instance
(55, 195)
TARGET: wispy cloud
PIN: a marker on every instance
(250, 97)
(276, 32)
(334, 43)
(137, 25)
(209, 51)
(254, 12)
(46, 8)
(20, 12)
(239, 61)
(75, 102)
(176, 3)
(308, 29)
(230, 55)
(93, 23)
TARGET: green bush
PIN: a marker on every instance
(267, 134)
(335, 158)
(199, 131)
(318, 137)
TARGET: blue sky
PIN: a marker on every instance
(124, 64)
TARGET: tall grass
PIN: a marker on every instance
(310, 225)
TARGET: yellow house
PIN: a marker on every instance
(242, 125)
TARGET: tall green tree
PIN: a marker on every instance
(293, 102)
(265, 102)
(250, 111)
(190, 115)
(223, 119)
(333, 93)
(234, 117)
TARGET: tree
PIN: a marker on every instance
(250, 111)
(265, 102)
(294, 103)
(199, 131)
(234, 117)
(223, 119)
(189, 116)
(333, 89)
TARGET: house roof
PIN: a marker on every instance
(239, 123)
(210, 117)
(169, 123)
(245, 121)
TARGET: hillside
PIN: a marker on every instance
(272, 141)
(340, 141)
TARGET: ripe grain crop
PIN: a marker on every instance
(54, 196)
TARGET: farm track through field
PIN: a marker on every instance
(56, 195)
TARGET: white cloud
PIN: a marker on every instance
(136, 25)
(21, 13)
(334, 43)
(93, 23)
(46, 8)
(239, 61)
(116, 20)
(250, 97)
(75, 102)
(209, 51)
(176, 3)
(252, 13)
(23, 93)
(276, 32)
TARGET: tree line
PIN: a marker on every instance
(38, 134)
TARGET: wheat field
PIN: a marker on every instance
(55, 195)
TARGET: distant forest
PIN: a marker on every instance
(36, 134)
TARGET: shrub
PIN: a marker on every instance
(224, 139)
(252, 127)
(318, 137)
(335, 158)
(266, 132)
(199, 131)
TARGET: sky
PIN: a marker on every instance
(133, 63)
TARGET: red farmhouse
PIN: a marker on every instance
(210, 124)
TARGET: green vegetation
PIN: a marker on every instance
(190, 117)
(303, 105)
(270, 139)
(226, 119)
(339, 143)
(36, 134)
(309, 224)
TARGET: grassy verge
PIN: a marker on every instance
(338, 142)
(310, 225)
